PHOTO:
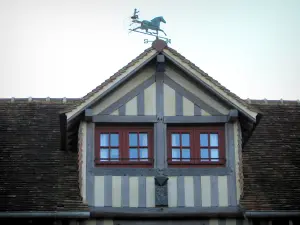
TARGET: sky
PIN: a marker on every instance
(65, 48)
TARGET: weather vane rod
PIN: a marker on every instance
(144, 27)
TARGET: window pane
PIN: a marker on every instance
(103, 154)
(204, 154)
(175, 140)
(133, 154)
(185, 139)
(186, 154)
(214, 140)
(143, 139)
(133, 139)
(103, 139)
(114, 139)
(214, 154)
(144, 154)
(114, 154)
(175, 154)
(203, 139)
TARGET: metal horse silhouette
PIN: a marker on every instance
(153, 24)
(146, 25)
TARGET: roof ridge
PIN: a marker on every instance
(272, 101)
(39, 100)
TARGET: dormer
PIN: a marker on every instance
(161, 135)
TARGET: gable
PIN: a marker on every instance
(213, 94)
(178, 103)
(127, 95)
(181, 97)
(178, 84)
(142, 104)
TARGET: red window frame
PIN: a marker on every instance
(124, 159)
(195, 159)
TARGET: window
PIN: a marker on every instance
(196, 145)
(123, 145)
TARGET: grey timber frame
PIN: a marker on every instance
(179, 104)
(125, 184)
(142, 192)
(163, 120)
(159, 77)
(108, 190)
(141, 104)
(121, 81)
(160, 127)
(123, 119)
(196, 119)
(194, 212)
(88, 114)
(160, 167)
(208, 87)
(90, 163)
(182, 91)
(122, 110)
(214, 189)
(180, 191)
(197, 110)
(160, 123)
(197, 194)
(130, 95)
(229, 139)
(216, 171)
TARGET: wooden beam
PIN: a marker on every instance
(123, 119)
(170, 213)
(233, 115)
(88, 114)
(195, 119)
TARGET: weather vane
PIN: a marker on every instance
(153, 25)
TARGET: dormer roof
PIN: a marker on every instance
(161, 47)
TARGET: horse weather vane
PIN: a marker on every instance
(153, 25)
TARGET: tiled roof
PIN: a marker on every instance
(271, 158)
(35, 175)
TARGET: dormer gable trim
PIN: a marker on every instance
(190, 69)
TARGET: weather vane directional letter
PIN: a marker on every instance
(145, 26)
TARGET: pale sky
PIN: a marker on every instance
(65, 48)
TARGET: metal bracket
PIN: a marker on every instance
(146, 41)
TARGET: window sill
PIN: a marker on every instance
(132, 164)
(196, 164)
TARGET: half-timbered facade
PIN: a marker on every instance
(162, 142)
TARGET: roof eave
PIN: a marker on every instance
(271, 213)
(46, 214)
